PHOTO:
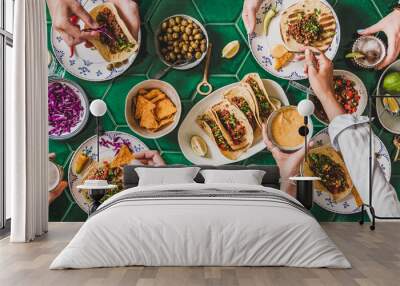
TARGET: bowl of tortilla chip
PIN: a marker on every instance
(152, 108)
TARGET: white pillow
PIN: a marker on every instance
(246, 177)
(166, 176)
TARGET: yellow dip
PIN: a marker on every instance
(285, 128)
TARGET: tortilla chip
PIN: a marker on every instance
(141, 104)
(158, 98)
(164, 109)
(148, 119)
(163, 123)
(153, 93)
(123, 157)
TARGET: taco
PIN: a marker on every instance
(256, 87)
(208, 123)
(326, 163)
(241, 97)
(115, 43)
(308, 23)
(234, 125)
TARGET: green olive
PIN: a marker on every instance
(198, 55)
(196, 31)
(175, 35)
(177, 50)
(182, 28)
(203, 47)
(203, 41)
(195, 25)
(181, 44)
(184, 22)
(190, 26)
(185, 37)
(172, 56)
(164, 26)
(191, 49)
(189, 56)
(188, 31)
(171, 22)
(185, 48)
(191, 38)
(169, 36)
(178, 19)
(194, 45)
(176, 28)
(198, 36)
(169, 30)
(190, 21)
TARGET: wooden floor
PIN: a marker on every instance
(375, 257)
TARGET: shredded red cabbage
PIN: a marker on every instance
(116, 143)
(65, 108)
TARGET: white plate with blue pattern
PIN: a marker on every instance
(348, 205)
(261, 45)
(86, 63)
(110, 144)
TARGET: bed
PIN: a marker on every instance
(201, 224)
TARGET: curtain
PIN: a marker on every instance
(26, 124)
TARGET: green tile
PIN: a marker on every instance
(385, 6)
(165, 9)
(169, 142)
(144, 59)
(58, 208)
(242, 28)
(219, 36)
(74, 213)
(185, 82)
(116, 96)
(261, 158)
(219, 11)
(175, 158)
(217, 82)
(92, 89)
(61, 149)
(90, 130)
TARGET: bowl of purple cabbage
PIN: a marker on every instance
(68, 109)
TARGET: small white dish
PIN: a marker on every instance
(165, 87)
(359, 86)
(185, 66)
(269, 130)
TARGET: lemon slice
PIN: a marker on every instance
(231, 49)
(276, 102)
(199, 146)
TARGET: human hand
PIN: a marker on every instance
(288, 163)
(129, 12)
(150, 157)
(390, 25)
(250, 8)
(320, 72)
(62, 12)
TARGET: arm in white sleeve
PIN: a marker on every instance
(350, 135)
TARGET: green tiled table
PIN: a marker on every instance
(223, 22)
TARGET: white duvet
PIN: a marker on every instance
(200, 231)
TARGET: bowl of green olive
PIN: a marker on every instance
(181, 42)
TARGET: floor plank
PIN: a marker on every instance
(375, 257)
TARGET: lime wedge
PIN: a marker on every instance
(355, 55)
(199, 146)
(231, 49)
